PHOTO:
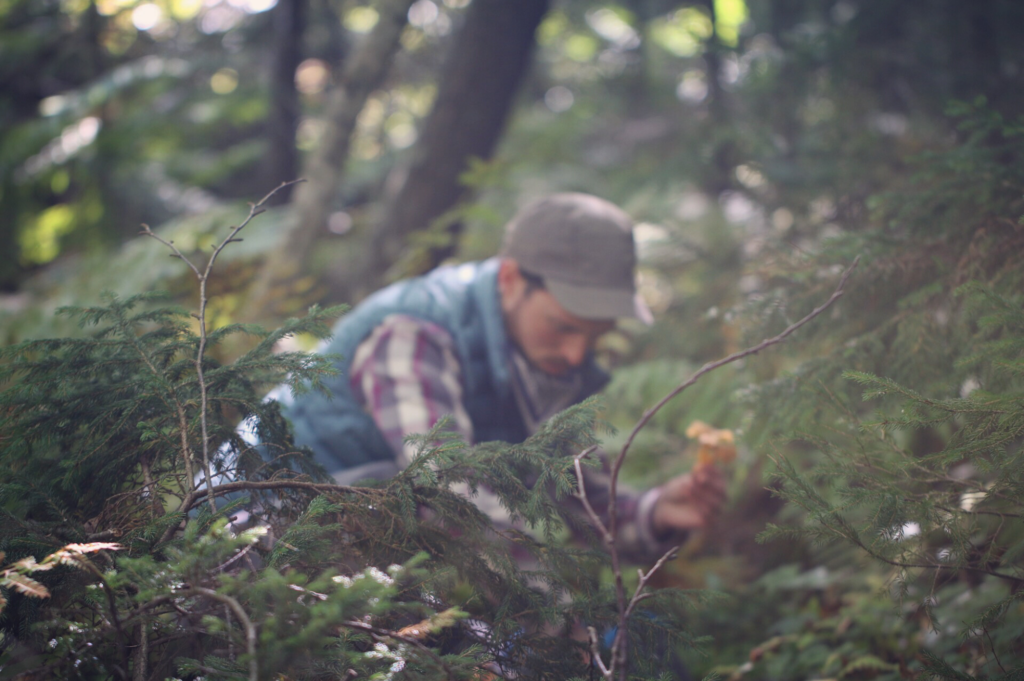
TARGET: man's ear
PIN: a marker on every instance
(510, 283)
(508, 276)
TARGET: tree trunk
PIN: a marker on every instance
(719, 177)
(484, 69)
(364, 71)
(282, 162)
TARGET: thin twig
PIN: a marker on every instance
(186, 450)
(151, 489)
(638, 595)
(581, 494)
(232, 559)
(595, 653)
(620, 642)
(243, 619)
(993, 647)
(204, 276)
(998, 514)
(608, 536)
(929, 566)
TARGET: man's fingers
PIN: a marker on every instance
(683, 518)
(707, 486)
(691, 501)
(708, 475)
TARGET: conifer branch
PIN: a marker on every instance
(197, 497)
(377, 632)
(96, 633)
(618, 661)
(115, 619)
(186, 449)
(928, 566)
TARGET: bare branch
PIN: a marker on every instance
(711, 366)
(254, 210)
(638, 595)
(928, 566)
(595, 652)
(992, 647)
(151, 489)
(617, 664)
(243, 619)
(141, 654)
(170, 244)
(581, 494)
(234, 558)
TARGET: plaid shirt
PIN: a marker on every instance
(406, 375)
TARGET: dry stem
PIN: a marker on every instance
(203, 276)
(243, 619)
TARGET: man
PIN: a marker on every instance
(501, 346)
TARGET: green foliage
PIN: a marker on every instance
(81, 413)
(831, 121)
(127, 433)
(905, 441)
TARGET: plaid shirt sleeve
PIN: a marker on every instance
(406, 376)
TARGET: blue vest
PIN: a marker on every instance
(463, 300)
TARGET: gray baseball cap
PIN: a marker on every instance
(582, 247)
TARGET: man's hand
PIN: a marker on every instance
(690, 501)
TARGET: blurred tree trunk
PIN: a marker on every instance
(483, 71)
(719, 175)
(282, 162)
(364, 70)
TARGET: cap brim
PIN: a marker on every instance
(589, 302)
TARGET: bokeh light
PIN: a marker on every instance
(559, 98)
(611, 26)
(693, 86)
(147, 16)
(225, 81)
(253, 6)
(311, 76)
(423, 13)
(361, 19)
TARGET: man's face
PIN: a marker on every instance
(551, 338)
